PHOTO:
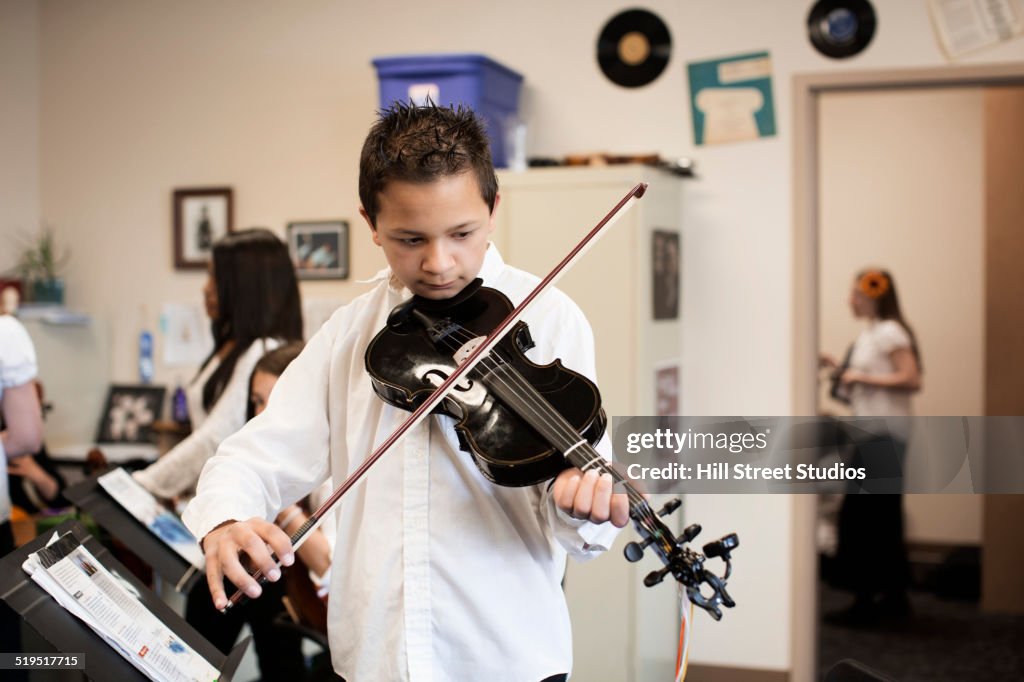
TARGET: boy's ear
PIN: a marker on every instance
(494, 212)
(373, 228)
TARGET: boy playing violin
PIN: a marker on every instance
(438, 574)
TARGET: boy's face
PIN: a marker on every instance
(434, 234)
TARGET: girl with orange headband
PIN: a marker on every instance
(878, 376)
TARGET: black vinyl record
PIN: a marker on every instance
(633, 48)
(841, 28)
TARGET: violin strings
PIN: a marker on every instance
(542, 410)
(498, 366)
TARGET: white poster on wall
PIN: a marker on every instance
(187, 337)
(964, 26)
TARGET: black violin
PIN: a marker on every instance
(523, 423)
(422, 345)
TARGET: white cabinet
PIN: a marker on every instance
(544, 212)
(621, 629)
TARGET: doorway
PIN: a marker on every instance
(851, 192)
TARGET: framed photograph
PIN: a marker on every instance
(202, 215)
(319, 248)
(666, 262)
(667, 389)
(129, 414)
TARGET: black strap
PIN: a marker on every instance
(837, 390)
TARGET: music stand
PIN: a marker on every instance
(90, 497)
(69, 635)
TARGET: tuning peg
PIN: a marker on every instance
(634, 551)
(655, 577)
(722, 547)
(670, 507)
(690, 532)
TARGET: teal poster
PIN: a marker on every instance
(731, 99)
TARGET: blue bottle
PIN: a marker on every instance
(179, 405)
(145, 357)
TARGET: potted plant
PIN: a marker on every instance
(39, 267)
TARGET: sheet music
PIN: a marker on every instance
(967, 25)
(83, 586)
(163, 523)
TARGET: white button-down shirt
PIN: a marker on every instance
(438, 574)
(177, 471)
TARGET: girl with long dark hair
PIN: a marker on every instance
(252, 299)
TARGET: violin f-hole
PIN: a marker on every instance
(437, 377)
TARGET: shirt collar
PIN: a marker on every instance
(492, 266)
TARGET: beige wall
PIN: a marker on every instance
(19, 127)
(274, 98)
(902, 187)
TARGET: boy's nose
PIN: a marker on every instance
(437, 259)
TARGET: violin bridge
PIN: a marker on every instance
(464, 351)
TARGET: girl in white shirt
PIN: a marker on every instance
(20, 435)
(882, 370)
(252, 299)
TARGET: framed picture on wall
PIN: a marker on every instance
(667, 389)
(202, 215)
(129, 414)
(319, 248)
(665, 270)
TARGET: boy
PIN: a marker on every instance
(438, 574)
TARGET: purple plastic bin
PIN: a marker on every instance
(484, 85)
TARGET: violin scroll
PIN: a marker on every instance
(682, 562)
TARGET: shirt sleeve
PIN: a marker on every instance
(279, 456)
(177, 471)
(564, 333)
(891, 336)
(17, 354)
(329, 525)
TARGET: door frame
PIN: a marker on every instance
(807, 88)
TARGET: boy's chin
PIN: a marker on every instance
(438, 293)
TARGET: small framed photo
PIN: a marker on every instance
(130, 413)
(202, 215)
(319, 248)
(666, 263)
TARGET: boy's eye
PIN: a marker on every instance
(411, 241)
(463, 235)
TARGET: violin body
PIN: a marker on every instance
(420, 347)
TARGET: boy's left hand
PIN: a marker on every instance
(588, 496)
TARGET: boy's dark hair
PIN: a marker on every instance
(257, 297)
(422, 144)
(273, 363)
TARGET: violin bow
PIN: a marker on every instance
(685, 556)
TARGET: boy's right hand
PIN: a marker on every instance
(223, 545)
